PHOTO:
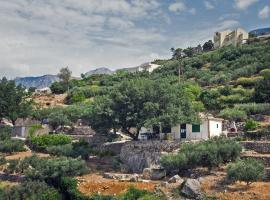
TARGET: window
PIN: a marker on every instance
(196, 128)
(217, 125)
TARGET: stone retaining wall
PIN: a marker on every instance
(137, 155)
(258, 146)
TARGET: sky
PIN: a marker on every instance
(39, 37)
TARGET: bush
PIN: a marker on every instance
(254, 108)
(247, 170)
(265, 73)
(208, 153)
(233, 114)
(58, 119)
(30, 190)
(43, 141)
(248, 82)
(60, 150)
(5, 132)
(49, 169)
(58, 88)
(33, 129)
(78, 149)
(69, 190)
(251, 125)
(262, 92)
(10, 146)
(2, 160)
(134, 194)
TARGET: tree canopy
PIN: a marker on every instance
(14, 101)
(141, 103)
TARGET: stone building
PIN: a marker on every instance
(227, 37)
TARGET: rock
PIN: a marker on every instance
(176, 179)
(201, 179)
(154, 173)
(164, 184)
(191, 189)
(122, 177)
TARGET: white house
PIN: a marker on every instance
(209, 127)
(45, 90)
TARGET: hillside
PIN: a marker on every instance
(37, 82)
(101, 70)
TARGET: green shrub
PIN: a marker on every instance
(11, 145)
(2, 160)
(262, 92)
(248, 82)
(58, 119)
(265, 73)
(208, 153)
(233, 114)
(251, 125)
(248, 170)
(58, 88)
(30, 190)
(43, 141)
(61, 150)
(5, 132)
(33, 129)
(82, 149)
(69, 190)
(134, 194)
(50, 169)
(254, 108)
(77, 149)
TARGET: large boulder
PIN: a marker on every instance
(154, 173)
(176, 179)
(191, 189)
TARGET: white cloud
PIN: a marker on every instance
(39, 37)
(244, 4)
(264, 13)
(208, 5)
(119, 23)
(177, 7)
(180, 7)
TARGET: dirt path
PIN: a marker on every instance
(24, 154)
(95, 184)
(213, 186)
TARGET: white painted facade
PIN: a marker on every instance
(208, 128)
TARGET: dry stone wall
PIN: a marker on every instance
(137, 155)
(258, 146)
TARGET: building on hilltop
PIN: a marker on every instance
(149, 67)
(226, 38)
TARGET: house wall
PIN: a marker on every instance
(203, 134)
(215, 128)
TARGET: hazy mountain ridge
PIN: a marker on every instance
(37, 82)
(101, 70)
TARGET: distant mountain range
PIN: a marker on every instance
(40, 82)
(37, 82)
(101, 70)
